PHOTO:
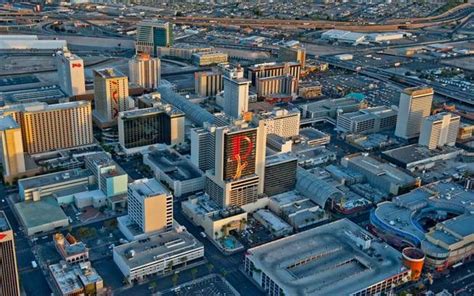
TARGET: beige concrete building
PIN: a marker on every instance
(9, 285)
(209, 58)
(208, 83)
(51, 127)
(236, 93)
(415, 104)
(282, 122)
(150, 205)
(284, 85)
(13, 156)
(110, 95)
(70, 73)
(145, 71)
(439, 130)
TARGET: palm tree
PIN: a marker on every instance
(210, 267)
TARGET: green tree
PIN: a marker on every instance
(210, 267)
(194, 272)
(175, 279)
(153, 285)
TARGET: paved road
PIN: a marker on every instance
(32, 280)
(229, 264)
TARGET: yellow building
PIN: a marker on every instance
(53, 127)
(150, 205)
(13, 157)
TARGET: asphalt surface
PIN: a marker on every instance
(32, 280)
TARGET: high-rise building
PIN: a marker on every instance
(110, 94)
(439, 130)
(70, 73)
(13, 156)
(150, 205)
(145, 71)
(282, 122)
(9, 285)
(238, 175)
(415, 104)
(208, 84)
(276, 85)
(236, 93)
(203, 142)
(280, 174)
(51, 127)
(292, 54)
(143, 127)
(152, 34)
(273, 69)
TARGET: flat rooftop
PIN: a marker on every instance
(279, 158)
(368, 113)
(164, 108)
(53, 178)
(174, 165)
(418, 91)
(37, 213)
(401, 215)
(275, 222)
(109, 73)
(7, 122)
(148, 187)
(72, 278)
(326, 261)
(156, 247)
(311, 133)
(46, 94)
(381, 169)
(272, 65)
(414, 153)
(4, 224)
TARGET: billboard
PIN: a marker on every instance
(239, 154)
(114, 90)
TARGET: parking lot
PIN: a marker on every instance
(206, 286)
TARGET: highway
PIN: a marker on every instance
(447, 91)
(456, 14)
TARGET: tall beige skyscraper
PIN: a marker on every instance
(51, 127)
(145, 70)
(150, 205)
(236, 93)
(70, 73)
(13, 156)
(9, 283)
(415, 104)
(110, 94)
(439, 130)
(238, 175)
